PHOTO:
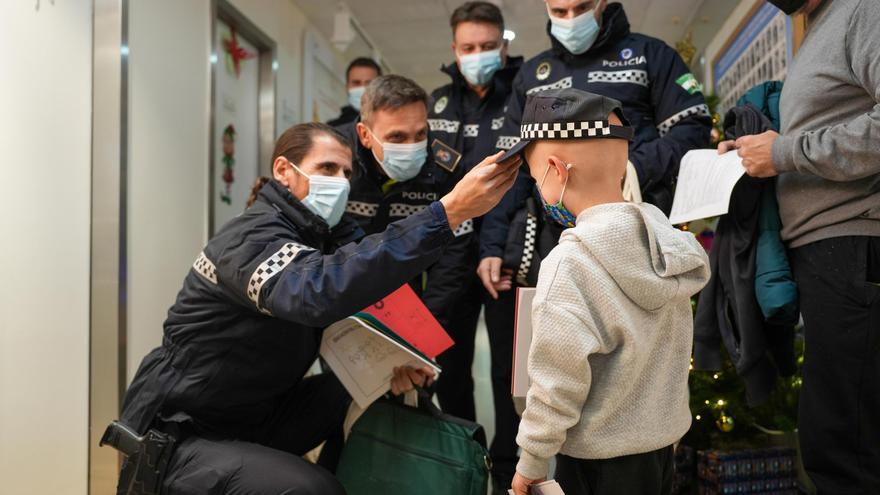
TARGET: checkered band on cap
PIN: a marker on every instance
(566, 130)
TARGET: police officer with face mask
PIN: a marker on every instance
(396, 176)
(465, 119)
(361, 71)
(594, 50)
(223, 404)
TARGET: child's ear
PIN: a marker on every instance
(559, 167)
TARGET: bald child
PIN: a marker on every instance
(612, 324)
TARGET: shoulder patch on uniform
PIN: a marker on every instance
(440, 105)
(543, 70)
(445, 156)
(689, 83)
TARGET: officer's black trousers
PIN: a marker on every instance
(267, 460)
(455, 389)
(639, 474)
(839, 413)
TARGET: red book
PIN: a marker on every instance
(406, 315)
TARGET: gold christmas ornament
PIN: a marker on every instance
(725, 423)
(686, 48)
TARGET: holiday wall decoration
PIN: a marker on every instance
(228, 163)
(235, 53)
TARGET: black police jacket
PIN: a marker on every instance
(375, 201)
(346, 114)
(247, 324)
(660, 98)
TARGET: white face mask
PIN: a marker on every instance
(402, 161)
(478, 68)
(327, 196)
(578, 34)
(354, 97)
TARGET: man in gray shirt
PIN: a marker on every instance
(828, 162)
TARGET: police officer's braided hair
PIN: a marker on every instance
(294, 145)
(390, 93)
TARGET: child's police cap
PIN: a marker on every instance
(569, 113)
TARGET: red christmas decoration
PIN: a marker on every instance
(235, 53)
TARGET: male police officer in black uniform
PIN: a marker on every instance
(360, 72)
(465, 118)
(396, 175)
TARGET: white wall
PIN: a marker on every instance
(169, 95)
(45, 177)
(169, 109)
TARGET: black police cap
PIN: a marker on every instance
(569, 113)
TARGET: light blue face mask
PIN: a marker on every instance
(327, 196)
(578, 34)
(478, 68)
(354, 97)
(402, 161)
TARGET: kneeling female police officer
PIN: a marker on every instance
(228, 380)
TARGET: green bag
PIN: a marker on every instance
(394, 449)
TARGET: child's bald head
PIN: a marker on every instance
(594, 168)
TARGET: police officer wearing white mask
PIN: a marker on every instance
(465, 118)
(395, 176)
(361, 71)
(223, 403)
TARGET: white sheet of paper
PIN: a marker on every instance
(522, 341)
(364, 359)
(705, 183)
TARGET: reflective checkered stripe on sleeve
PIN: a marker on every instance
(702, 110)
(271, 267)
(466, 227)
(204, 267)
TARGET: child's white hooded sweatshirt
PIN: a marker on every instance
(613, 331)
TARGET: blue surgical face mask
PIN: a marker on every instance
(578, 34)
(327, 196)
(354, 97)
(402, 161)
(478, 68)
(558, 212)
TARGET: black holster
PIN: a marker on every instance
(146, 461)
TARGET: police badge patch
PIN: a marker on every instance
(440, 105)
(445, 156)
(543, 71)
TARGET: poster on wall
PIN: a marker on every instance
(761, 50)
(236, 129)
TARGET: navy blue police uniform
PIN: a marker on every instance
(661, 99)
(375, 201)
(347, 114)
(470, 125)
(244, 330)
